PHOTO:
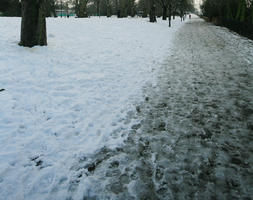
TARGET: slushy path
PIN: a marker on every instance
(194, 139)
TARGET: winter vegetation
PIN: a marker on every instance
(234, 14)
(240, 10)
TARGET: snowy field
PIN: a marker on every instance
(69, 99)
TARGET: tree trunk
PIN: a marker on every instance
(77, 8)
(132, 12)
(83, 9)
(108, 13)
(144, 14)
(152, 17)
(118, 13)
(170, 9)
(181, 14)
(252, 13)
(164, 12)
(117, 8)
(229, 13)
(132, 9)
(239, 10)
(243, 12)
(98, 10)
(33, 25)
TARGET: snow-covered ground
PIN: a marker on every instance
(69, 99)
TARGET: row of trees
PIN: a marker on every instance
(166, 8)
(13, 7)
(33, 27)
(124, 8)
(236, 15)
(10, 7)
(121, 8)
(239, 10)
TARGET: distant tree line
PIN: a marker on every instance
(125, 8)
(234, 14)
(165, 8)
(34, 13)
(120, 8)
(10, 8)
(240, 10)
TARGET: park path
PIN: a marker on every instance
(194, 139)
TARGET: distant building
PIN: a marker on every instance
(65, 13)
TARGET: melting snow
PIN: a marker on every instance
(69, 98)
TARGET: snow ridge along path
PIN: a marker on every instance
(194, 136)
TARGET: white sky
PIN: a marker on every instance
(197, 4)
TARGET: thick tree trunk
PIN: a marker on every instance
(239, 10)
(152, 17)
(243, 12)
(33, 26)
(164, 12)
(83, 9)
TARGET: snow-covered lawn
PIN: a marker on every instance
(68, 99)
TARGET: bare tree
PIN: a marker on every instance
(80, 7)
(164, 5)
(143, 7)
(108, 8)
(152, 14)
(98, 9)
(83, 8)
